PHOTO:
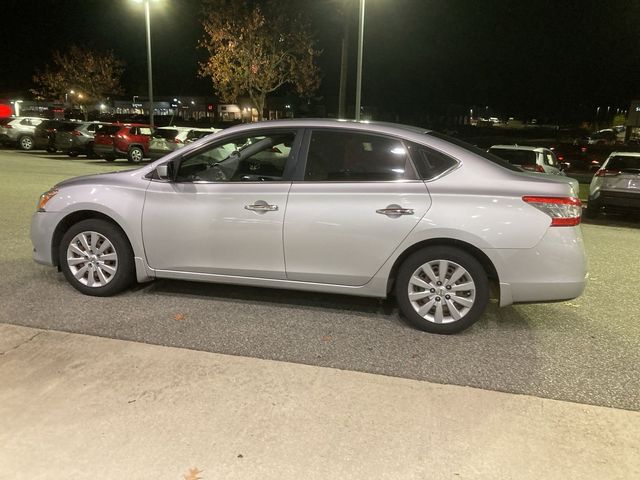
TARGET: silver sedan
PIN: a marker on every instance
(322, 205)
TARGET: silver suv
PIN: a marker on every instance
(616, 185)
(20, 131)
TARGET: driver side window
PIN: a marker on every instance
(240, 159)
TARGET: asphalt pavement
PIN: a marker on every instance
(586, 350)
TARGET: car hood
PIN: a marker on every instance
(110, 178)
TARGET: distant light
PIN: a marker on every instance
(175, 99)
(102, 106)
(72, 92)
(192, 102)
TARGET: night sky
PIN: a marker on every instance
(521, 58)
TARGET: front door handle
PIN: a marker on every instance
(261, 206)
(395, 211)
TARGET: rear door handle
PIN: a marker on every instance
(395, 211)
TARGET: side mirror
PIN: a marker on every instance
(163, 171)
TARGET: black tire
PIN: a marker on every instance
(135, 155)
(474, 272)
(25, 142)
(124, 275)
(72, 153)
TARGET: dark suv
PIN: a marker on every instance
(77, 138)
(129, 140)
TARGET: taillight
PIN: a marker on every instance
(76, 133)
(177, 140)
(564, 211)
(607, 173)
(532, 167)
(7, 126)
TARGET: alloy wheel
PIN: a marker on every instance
(441, 291)
(92, 259)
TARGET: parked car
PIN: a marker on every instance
(77, 138)
(616, 185)
(354, 208)
(603, 137)
(575, 158)
(167, 139)
(20, 132)
(44, 136)
(130, 141)
(534, 160)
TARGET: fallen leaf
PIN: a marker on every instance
(326, 338)
(240, 455)
(179, 317)
(193, 474)
(570, 304)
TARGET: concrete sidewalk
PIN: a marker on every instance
(78, 407)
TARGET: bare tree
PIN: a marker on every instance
(256, 49)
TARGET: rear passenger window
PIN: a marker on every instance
(354, 156)
(430, 163)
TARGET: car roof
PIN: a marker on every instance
(625, 154)
(364, 125)
(519, 147)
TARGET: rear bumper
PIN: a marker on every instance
(554, 270)
(617, 199)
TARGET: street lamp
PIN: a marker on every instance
(147, 21)
(360, 44)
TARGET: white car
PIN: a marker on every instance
(327, 206)
(20, 131)
(616, 185)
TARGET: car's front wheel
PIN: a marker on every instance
(96, 258)
(442, 289)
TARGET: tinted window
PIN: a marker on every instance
(68, 127)
(516, 157)
(354, 156)
(108, 129)
(241, 159)
(166, 133)
(476, 150)
(430, 163)
(620, 162)
(196, 134)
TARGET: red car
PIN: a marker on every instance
(123, 140)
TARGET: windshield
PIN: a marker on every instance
(477, 151)
(515, 157)
(166, 133)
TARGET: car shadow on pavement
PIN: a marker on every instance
(614, 220)
(244, 294)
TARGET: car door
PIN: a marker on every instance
(357, 199)
(223, 213)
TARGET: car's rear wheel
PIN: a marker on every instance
(25, 142)
(135, 154)
(442, 289)
(96, 258)
(72, 153)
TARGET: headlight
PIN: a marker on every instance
(45, 197)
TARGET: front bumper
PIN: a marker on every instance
(43, 225)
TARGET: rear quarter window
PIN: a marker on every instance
(430, 163)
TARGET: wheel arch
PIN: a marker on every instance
(478, 254)
(73, 218)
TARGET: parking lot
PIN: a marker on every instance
(586, 350)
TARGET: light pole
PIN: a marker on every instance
(359, 74)
(147, 22)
